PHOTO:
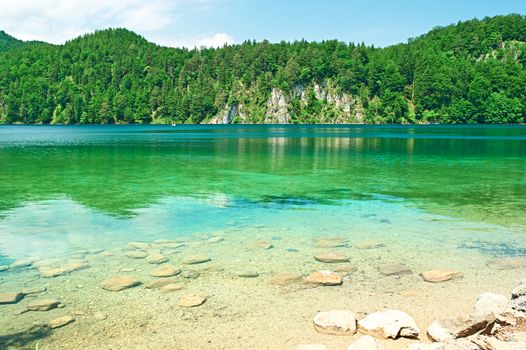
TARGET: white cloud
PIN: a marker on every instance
(214, 40)
(56, 21)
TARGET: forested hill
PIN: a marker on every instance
(470, 72)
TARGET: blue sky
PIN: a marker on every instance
(214, 22)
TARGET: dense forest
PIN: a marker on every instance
(470, 72)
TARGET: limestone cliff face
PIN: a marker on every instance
(277, 111)
(226, 116)
(336, 107)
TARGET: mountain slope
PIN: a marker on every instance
(473, 71)
(7, 42)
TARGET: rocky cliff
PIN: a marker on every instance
(321, 102)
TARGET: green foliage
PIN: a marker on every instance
(470, 72)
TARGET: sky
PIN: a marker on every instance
(192, 23)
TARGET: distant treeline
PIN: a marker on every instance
(471, 72)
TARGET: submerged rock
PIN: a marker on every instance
(190, 274)
(196, 259)
(262, 244)
(118, 283)
(140, 245)
(335, 322)
(215, 239)
(34, 290)
(507, 263)
(459, 327)
(368, 245)
(46, 263)
(331, 257)
(137, 254)
(285, 278)
(395, 270)
(11, 298)
(99, 316)
(156, 259)
(49, 272)
(389, 324)
(192, 300)
(437, 276)
(325, 278)
(345, 268)
(61, 321)
(76, 265)
(161, 282)
(331, 242)
(171, 245)
(22, 263)
(171, 287)
(366, 342)
(43, 305)
(165, 271)
(248, 274)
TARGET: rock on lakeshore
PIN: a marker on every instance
(389, 324)
(490, 305)
(452, 328)
(335, 322)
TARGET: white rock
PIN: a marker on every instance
(519, 290)
(366, 342)
(490, 304)
(389, 324)
(335, 322)
(456, 327)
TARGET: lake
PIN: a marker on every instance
(256, 201)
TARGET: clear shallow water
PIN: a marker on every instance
(434, 196)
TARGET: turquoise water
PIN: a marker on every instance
(433, 196)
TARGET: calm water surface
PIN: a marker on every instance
(88, 179)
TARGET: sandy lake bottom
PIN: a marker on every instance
(246, 246)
